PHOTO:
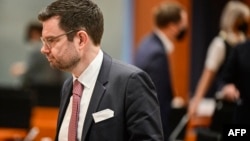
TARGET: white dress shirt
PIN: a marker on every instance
(168, 45)
(88, 79)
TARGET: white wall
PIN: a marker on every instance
(113, 26)
(15, 14)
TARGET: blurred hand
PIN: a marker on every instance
(192, 107)
(178, 102)
(230, 92)
(18, 69)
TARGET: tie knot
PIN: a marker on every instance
(77, 88)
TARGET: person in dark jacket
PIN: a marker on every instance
(153, 53)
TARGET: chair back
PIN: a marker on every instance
(15, 108)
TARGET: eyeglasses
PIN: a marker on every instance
(49, 41)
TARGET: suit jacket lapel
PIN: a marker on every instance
(66, 93)
(98, 93)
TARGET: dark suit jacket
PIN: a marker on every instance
(127, 91)
(152, 58)
(237, 71)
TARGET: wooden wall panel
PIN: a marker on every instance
(247, 2)
(143, 24)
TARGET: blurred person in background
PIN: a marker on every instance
(236, 80)
(153, 54)
(35, 71)
(233, 30)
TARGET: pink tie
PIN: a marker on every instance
(77, 93)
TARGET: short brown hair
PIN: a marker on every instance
(167, 12)
(75, 15)
(31, 27)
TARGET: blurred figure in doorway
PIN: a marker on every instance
(153, 53)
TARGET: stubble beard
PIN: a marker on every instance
(66, 66)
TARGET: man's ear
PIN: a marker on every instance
(83, 37)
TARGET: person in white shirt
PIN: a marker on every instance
(233, 25)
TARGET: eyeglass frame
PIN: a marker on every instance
(52, 39)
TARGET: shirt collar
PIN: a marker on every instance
(88, 77)
(168, 45)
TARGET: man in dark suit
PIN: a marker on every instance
(118, 101)
(153, 53)
(237, 79)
